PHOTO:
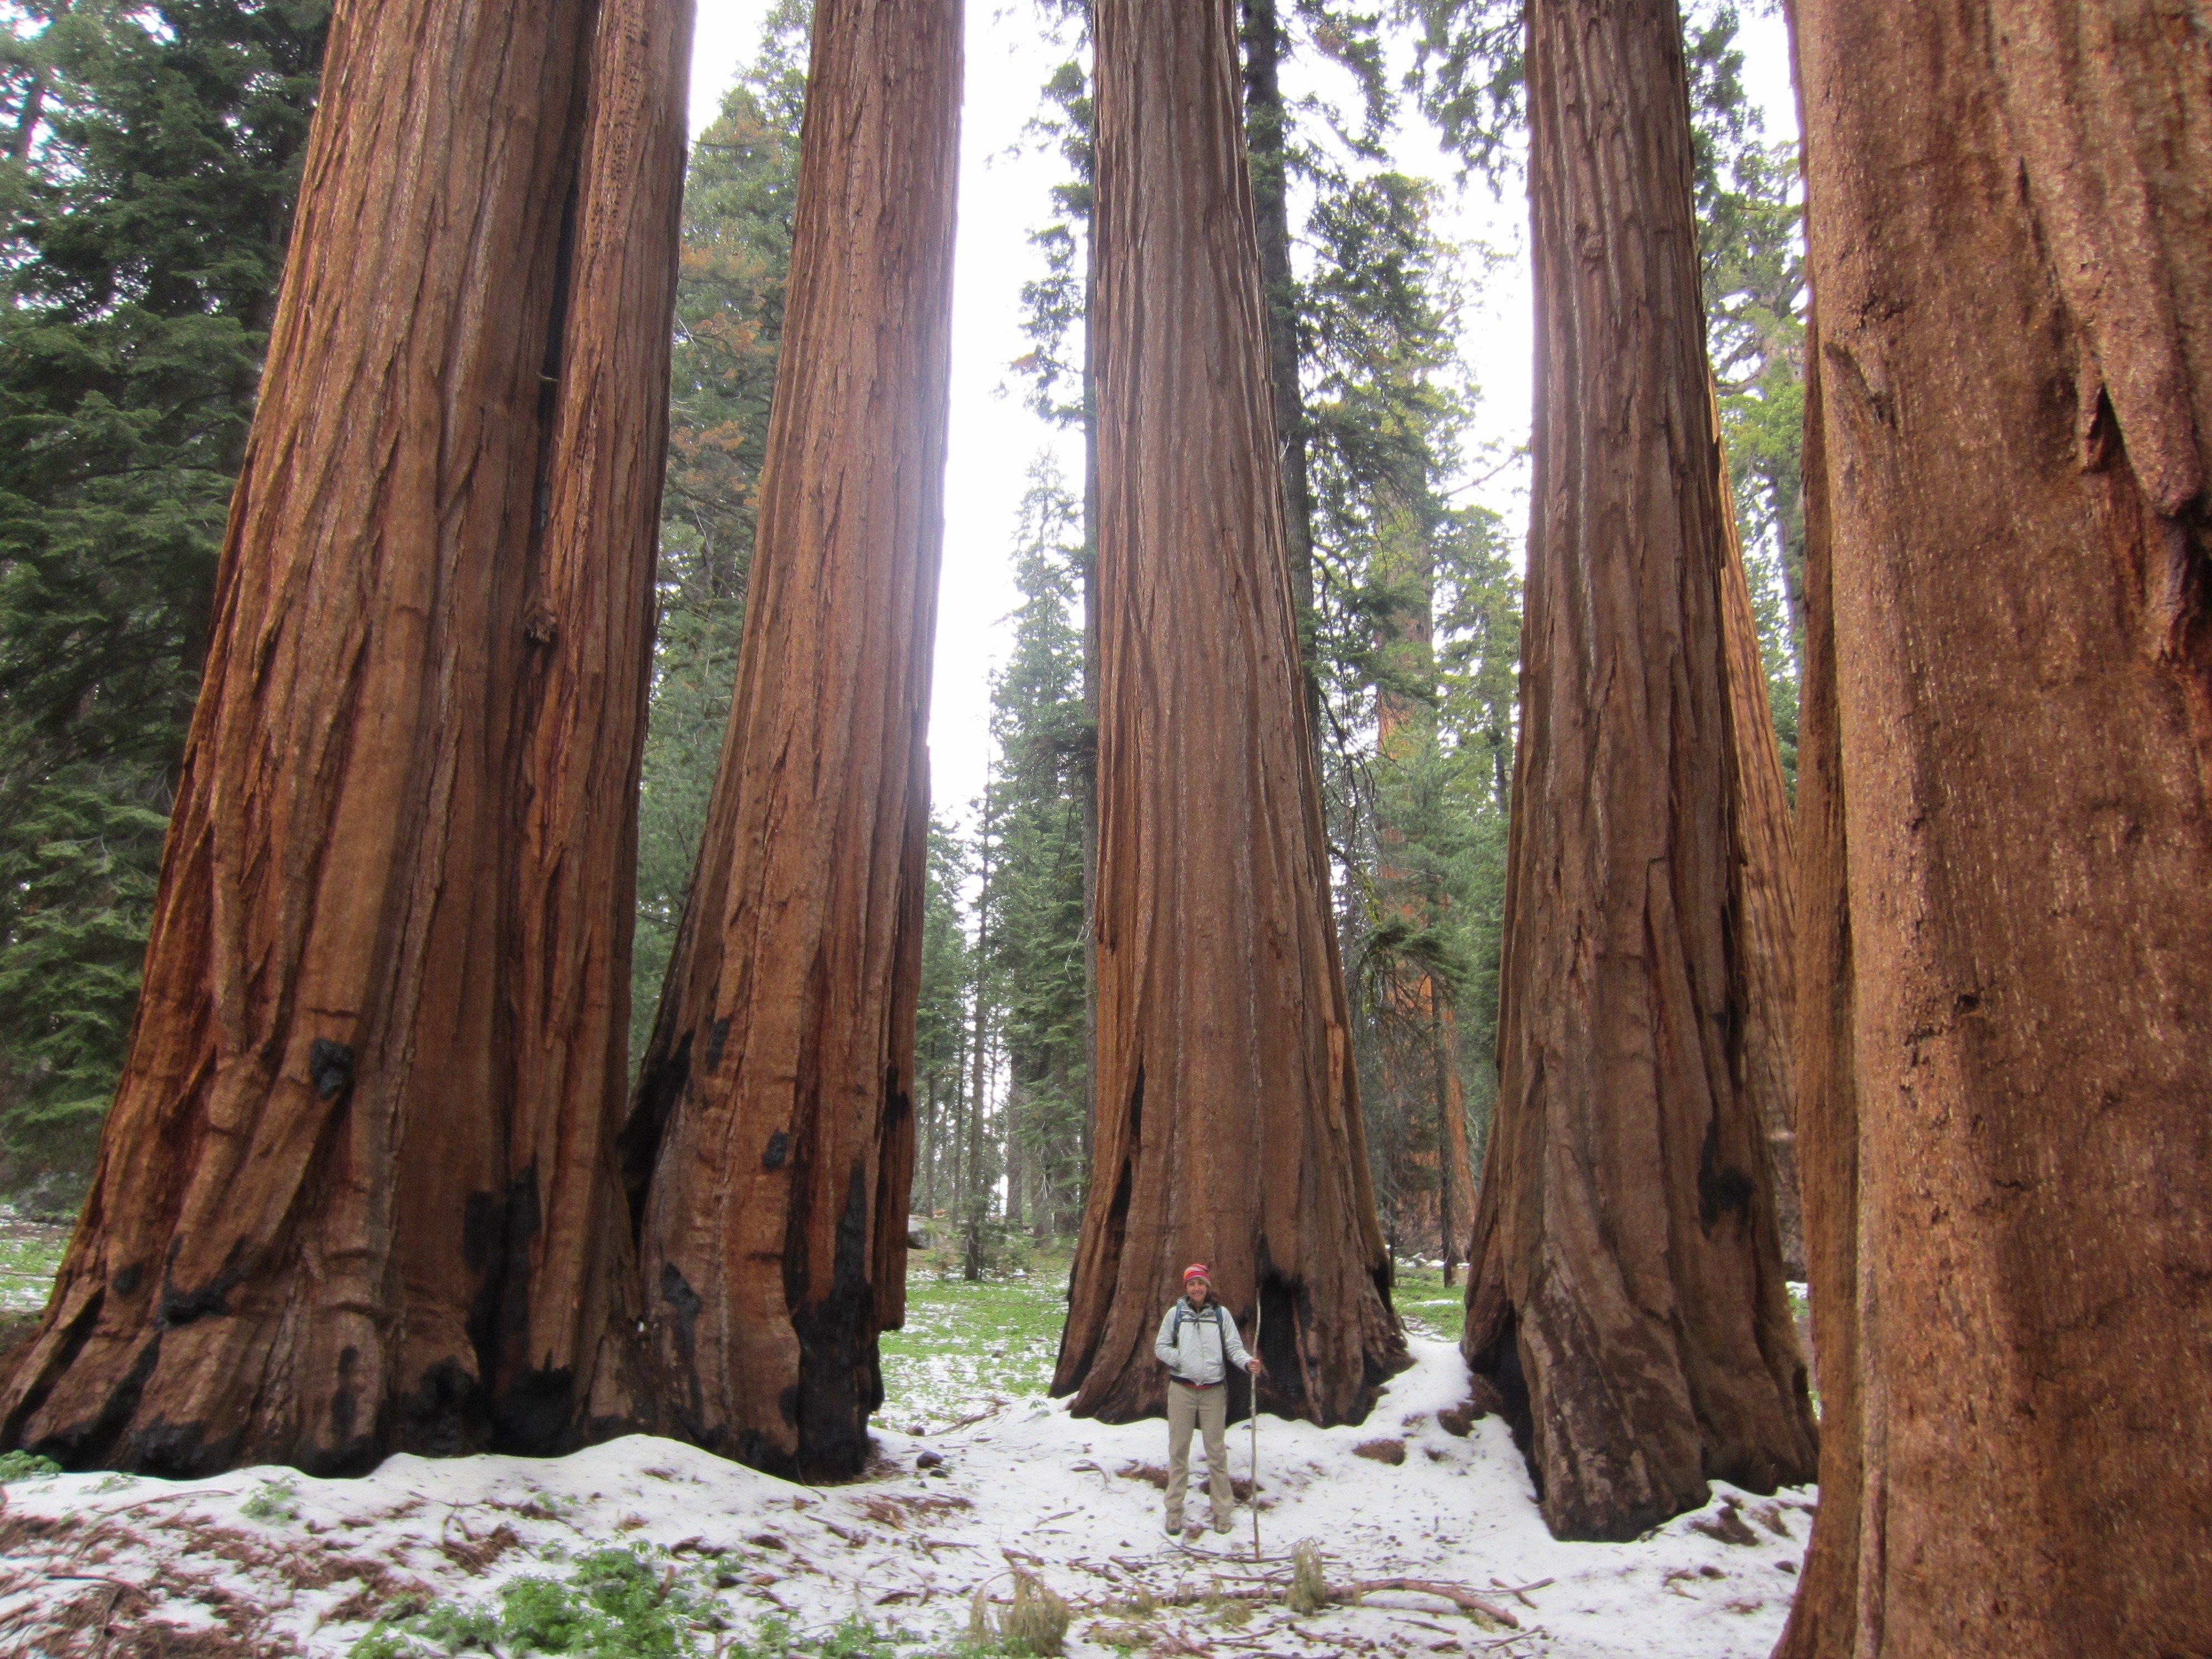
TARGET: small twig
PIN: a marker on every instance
(158, 1498)
(991, 1410)
(1520, 1592)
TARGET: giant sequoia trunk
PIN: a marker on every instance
(1766, 911)
(2010, 225)
(770, 1145)
(1228, 1127)
(353, 1195)
(1625, 1283)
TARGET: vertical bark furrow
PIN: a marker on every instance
(1625, 1283)
(1824, 1619)
(589, 623)
(771, 1109)
(1763, 904)
(1226, 1100)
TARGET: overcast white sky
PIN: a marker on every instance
(1003, 186)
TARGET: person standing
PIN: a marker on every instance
(1198, 1343)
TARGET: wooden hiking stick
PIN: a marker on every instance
(1259, 1314)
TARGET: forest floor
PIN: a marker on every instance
(649, 1547)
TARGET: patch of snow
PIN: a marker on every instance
(1026, 1485)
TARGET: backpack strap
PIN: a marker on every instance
(1182, 1312)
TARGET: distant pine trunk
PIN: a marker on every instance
(1228, 1126)
(1266, 148)
(355, 1194)
(1626, 1287)
(771, 1141)
(2006, 1040)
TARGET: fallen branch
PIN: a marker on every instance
(1458, 1594)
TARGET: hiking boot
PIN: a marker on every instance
(1175, 1526)
(1221, 1523)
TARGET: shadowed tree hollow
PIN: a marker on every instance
(2006, 992)
(1228, 1127)
(770, 1143)
(355, 1190)
(1626, 1287)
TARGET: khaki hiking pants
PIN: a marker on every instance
(1209, 1409)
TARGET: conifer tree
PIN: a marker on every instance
(155, 155)
(357, 1192)
(769, 1146)
(1228, 1126)
(1626, 1288)
(2006, 996)
(1038, 726)
(738, 194)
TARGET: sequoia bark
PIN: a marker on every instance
(345, 1206)
(769, 1147)
(1228, 1128)
(1764, 902)
(2010, 219)
(1626, 1287)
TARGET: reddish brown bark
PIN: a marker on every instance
(342, 1206)
(2010, 225)
(1626, 1287)
(571, 1304)
(1228, 1127)
(770, 1143)
(1825, 1615)
(1764, 902)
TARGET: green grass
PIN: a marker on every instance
(30, 1257)
(1427, 1305)
(965, 1346)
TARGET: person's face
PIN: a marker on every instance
(1198, 1290)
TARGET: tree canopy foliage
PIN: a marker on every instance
(148, 194)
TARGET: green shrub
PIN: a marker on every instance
(26, 1466)
(272, 1503)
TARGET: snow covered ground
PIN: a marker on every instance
(270, 1562)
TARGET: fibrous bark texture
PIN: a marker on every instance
(352, 1196)
(770, 1143)
(1228, 1128)
(1625, 1285)
(2010, 219)
(1825, 1613)
(1766, 904)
